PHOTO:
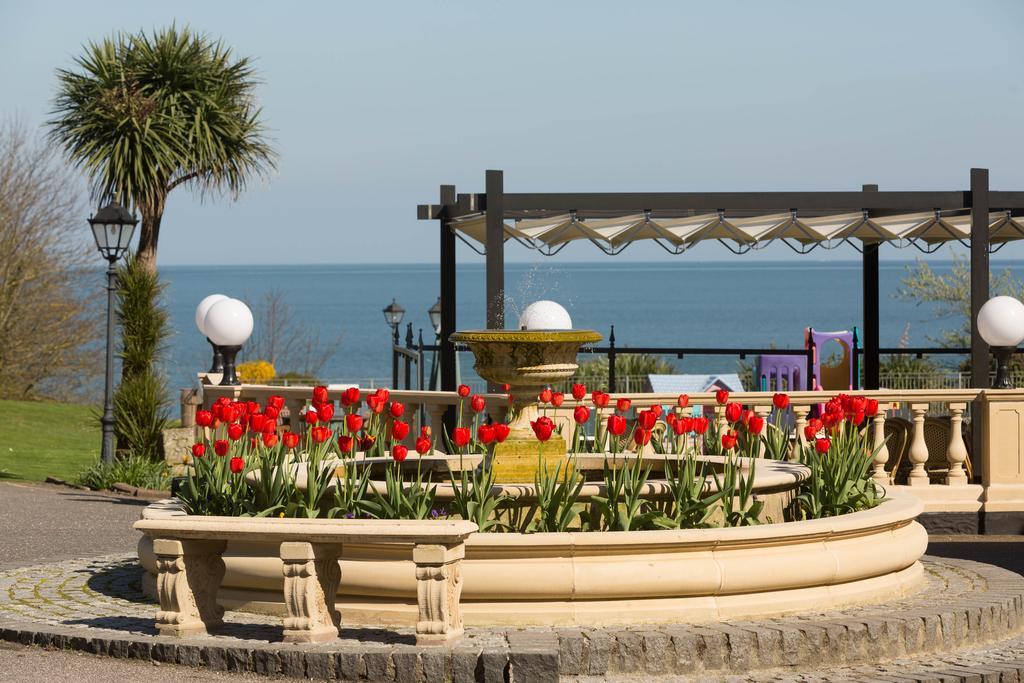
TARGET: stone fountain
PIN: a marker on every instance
(527, 360)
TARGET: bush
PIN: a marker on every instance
(133, 470)
(256, 372)
(140, 403)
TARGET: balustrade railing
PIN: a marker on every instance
(928, 448)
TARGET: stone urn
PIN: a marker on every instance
(527, 361)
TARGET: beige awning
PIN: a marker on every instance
(925, 230)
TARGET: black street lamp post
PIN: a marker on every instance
(393, 314)
(112, 227)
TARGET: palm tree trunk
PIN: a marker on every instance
(152, 215)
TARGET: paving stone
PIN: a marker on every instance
(266, 661)
(406, 665)
(492, 666)
(601, 648)
(533, 665)
(572, 645)
(434, 664)
(349, 666)
(379, 666)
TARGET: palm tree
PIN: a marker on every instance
(143, 114)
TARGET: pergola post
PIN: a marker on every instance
(979, 295)
(448, 300)
(872, 363)
(495, 186)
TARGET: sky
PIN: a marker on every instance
(373, 105)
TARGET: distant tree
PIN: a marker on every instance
(145, 113)
(594, 373)
(952, 296)
(292, 347)
(46, 326)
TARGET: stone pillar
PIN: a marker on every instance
(188, 576)
(311, 578)
(880, 447)
(438, 591)
(918, 454)
(956, 452)
(1002, 460)
(800, 421)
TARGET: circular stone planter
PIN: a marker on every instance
(605, 578)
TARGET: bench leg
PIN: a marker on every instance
(189, 574)
(438, 591)
(311, 578)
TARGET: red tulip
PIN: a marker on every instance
(270, 427)
(729, 440)
(543, 427)
(646, 419)
(271, 412)
(251, 407)
(320, 434)
(350, 396)
(397, 409)
(235, 431)
(425, 430)
(816, 423)
(325, 412)
(270, 440)
(545, 395)
(641, 436)
(399, 452)
(485, 434)
(463, 390)
(236, 464)
(275, 402)
(657, 410)
(822, 445)
(623, 404)
(204, 418)
(460, 436)
(755, 424)
(376, 403)
(616, 425)
(683, 400)
(423, 445)
(810, 433)
(311, 416)
(477, 403)
(399, 430)
(346, 443)
(870, 408)
(722, 396)
(198, 450)
(680, 426)
(501, 431)
(733, 412)
(320, 394)
(220, 447)
(366, 443)
(557, 398)
(383, 394)
(581, 414)
(700, 425)
(353, 422)
(600, 399)
(579, 391)
(291, 439)
(781, 401)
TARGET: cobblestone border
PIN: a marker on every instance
(97, 606)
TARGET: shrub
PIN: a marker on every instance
(133, 470)
(256, 372)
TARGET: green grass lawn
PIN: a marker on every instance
(40, 439)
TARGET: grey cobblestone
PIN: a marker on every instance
(944, 632)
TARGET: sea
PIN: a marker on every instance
(691, 304)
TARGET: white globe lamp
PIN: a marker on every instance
(217, 366)
(545, 315)
(1001, 325)
(228, 324)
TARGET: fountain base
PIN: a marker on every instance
(518, 460)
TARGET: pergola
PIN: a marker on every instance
(979, 218)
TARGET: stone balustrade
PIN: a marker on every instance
(921, 435)
(190, 569)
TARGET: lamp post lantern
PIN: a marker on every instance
(112, 228)
(434, 312)
(217, 364)
(1001, 325)
(393, 314)
(228, 324)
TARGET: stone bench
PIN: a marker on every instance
(190, 569)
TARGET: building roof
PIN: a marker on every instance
(687, 384)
